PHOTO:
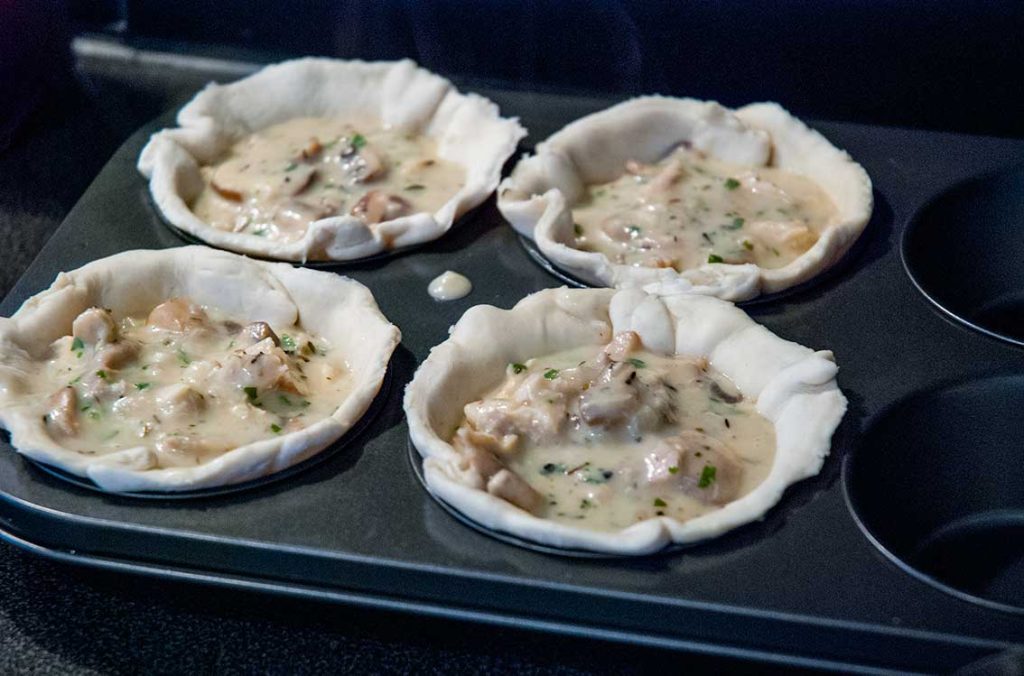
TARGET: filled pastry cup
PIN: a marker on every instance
(188, 368)
(791, 388)
(539, 198)
(402, 98)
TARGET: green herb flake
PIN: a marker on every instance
(634, 230)
(637, 363)
(673, 470)
(358, 141)
(260, 233)
(748, 245)
(183, 358)
(250, 392)
(731, 184)
(552, 468)
(414, 187)
(141, 386)
(577, 229)
(517, 368)
(736, 224)
(77, 345)
(584, 503)
(715, 258)
(658, 502)
(287, 343)
(707, 476)
(275, 428)
(551, 374)
(776, 251)
(102, 374)
(291, 166)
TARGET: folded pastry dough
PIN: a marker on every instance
(538, 198)
(793, 387)
(467, 129)
(95, 329)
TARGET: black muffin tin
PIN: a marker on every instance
(905, 552)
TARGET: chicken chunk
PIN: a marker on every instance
(511, 487)
(62, 416)
(263, 366)
(179, 403)
(177, 315)
(94, 326)
(624, 343)
(540, 421)
(697, 464)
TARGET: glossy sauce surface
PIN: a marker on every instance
(274, 183)
(604, 439)
(690, 209)
(187, 382)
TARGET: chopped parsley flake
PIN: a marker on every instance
(291, 166)
(634, 230)
(707, 476)
(260, 232)
(731, 184)
(551, 374)
(250, 392)
(183, 357)
(415, 186)
(552, 467)
(577, 229)
(517, 368)
(358, 141)
(141, 386)
(77, 345)
(658, 502)
(584, 503)
(715, 258)
(287, 343)
(275, 428)
(736, 224)
(748, 245)
(637, 363)
(673, 470)
(102, 374)
(284, 400)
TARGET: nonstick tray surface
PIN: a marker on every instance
(806, 585)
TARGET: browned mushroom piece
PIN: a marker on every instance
(377, 206)
(119, 354)
(258, 331)
(94, 326)
(177, 315)
(62, 416)
(698, 464)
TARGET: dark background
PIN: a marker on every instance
(937, 64)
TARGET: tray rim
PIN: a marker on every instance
(712, 647)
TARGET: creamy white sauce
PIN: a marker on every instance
(689, 209)
(604, 442)
(187, 382)
(274, 183)
(449, 286)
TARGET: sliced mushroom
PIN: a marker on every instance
(119, 354)
(62, 416)
(377, 206)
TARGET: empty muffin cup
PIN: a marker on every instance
(964, 251)
(937, 483)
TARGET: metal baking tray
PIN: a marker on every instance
(820, 581)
